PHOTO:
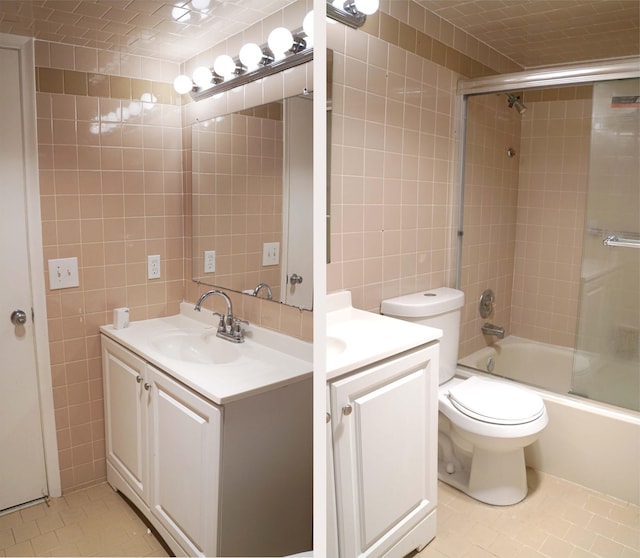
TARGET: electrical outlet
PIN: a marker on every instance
(209, 261)
(63, 273)
(153, 267)
(270, 253)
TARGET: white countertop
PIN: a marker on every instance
(356, 338)
(266, 360)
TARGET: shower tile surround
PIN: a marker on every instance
(524, 215)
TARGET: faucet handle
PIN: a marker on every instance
(222, 317)
(240, 321)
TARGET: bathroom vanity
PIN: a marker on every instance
(210, 440)
(382, 384)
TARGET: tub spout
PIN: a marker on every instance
(490, 329)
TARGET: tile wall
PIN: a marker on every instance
(490, 213)
(524, 216)
(393, 144)
(237, 196)
(554, 171)
(114, 182)
(111, 194)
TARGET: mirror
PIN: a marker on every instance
(252, 201)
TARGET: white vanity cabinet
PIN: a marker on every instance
(384, 438)
(230, 479)
(163, 441)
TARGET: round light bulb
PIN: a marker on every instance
(250, 55)
(182, 84)
(224, 66)
(280, 41)
(200, 4)
(202, 76)
(307, 24)
(367, 7)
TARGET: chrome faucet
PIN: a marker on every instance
(265, 287)
(490, 329)
(229, 327)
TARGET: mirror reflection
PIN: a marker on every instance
(252, 201)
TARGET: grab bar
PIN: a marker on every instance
(613, 240)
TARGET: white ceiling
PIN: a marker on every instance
(173, 30)
(530, 32)
(547, 32)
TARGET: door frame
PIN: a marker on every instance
(26, 53)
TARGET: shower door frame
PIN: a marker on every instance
(622, 68)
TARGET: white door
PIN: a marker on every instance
(22, 463)
(298, 210)
(384, 426)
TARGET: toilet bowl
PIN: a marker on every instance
(488, 423)
(483, 424)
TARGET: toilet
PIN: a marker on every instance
(483, 424)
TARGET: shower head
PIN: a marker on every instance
(514, 101)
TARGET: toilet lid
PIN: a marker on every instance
(495, 402)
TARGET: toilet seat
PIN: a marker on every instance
(495, 402)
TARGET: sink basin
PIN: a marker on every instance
(196, 346)
(335, 346)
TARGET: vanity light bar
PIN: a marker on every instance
(352, 13)
(268, 69)
(348, 18)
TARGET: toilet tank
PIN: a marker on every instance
(438, 308)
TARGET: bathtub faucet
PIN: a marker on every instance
(229, 327)
(490, 329)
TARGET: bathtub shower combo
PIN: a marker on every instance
(559, 208)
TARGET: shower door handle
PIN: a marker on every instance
(613, 240)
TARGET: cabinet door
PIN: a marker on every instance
(384, 422)
(184, 463)
(125, 400)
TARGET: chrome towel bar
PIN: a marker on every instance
(613, 240)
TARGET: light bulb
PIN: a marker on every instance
(367, 7)
(224, 66)
(280, 41)
(200, 4)
(339, 4)
(307, 24)
(202, 76)
(182, 84)
(250, 55)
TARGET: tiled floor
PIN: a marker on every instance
(92, 522)
(558, 519)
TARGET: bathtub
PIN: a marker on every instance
(593, 444)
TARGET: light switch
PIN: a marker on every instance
(63, 273)
(271, 253)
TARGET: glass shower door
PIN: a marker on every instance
(606, 364)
